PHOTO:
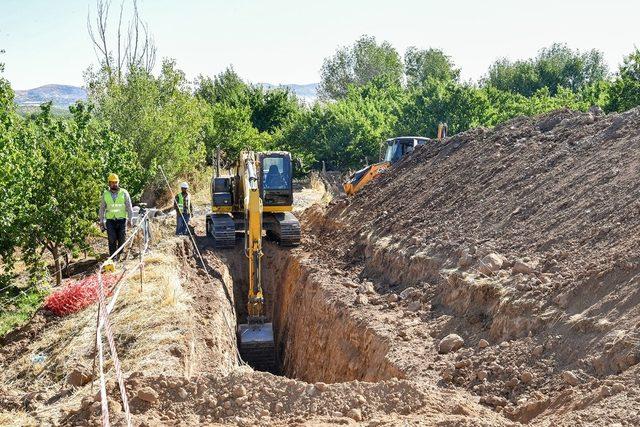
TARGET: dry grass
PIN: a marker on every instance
(17, 418)
(148, 321)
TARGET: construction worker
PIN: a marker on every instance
(184, 209)
(116, 213)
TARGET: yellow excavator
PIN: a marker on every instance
(274, 173)
(259, 196)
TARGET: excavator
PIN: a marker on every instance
(259, 197)
(274, 172)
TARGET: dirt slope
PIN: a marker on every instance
(524, 235)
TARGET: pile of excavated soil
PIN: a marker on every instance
(523, 241)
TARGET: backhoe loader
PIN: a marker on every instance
(395, 149)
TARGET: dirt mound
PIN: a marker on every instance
(248, 398)
(524, 236)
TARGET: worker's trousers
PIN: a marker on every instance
(116, 233)
(181, 225)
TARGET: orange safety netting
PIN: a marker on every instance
(78, 294)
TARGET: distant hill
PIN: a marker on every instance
(307, 92)
(62, 96)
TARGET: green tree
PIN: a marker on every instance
(423, 64)
(346, 132)
(519, 77)
(230, 129)
(559, 66)
(461, 106)
(59, 201)
(159, 115)
(624, 92)
(226, 87)
(554, 67)
(272, 108)
(358, 65)
(241, 116)
(114, 154)
(16, 170)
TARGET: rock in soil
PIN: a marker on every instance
(450, 343)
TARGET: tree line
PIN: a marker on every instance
(54, 168)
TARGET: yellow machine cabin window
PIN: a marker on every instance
(276, 173)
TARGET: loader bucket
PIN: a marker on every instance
(257, 346)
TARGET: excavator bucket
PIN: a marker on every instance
(257, 345)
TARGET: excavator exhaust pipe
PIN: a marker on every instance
(257, 346)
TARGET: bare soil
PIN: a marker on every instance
(554, 198)
(520, 240)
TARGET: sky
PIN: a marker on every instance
(285, 41)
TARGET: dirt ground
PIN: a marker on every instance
(523, 241)
(491, 279)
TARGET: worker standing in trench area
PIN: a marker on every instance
(116, 213)
(182, 204)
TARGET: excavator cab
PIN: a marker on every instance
(276, 179)
(398, 147)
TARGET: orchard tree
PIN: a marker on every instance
(624, 93)
(519, 77)
(15, 175)
(559, 66)
(346, 132)
(230, 129)
(272, 108)
(554, 67)
(226, 87)
(357, 65)
(461, 106)
(113, 153)
(61, 198)
(423, 64)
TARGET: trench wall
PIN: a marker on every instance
(316, 338)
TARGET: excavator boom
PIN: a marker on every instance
(257, 345)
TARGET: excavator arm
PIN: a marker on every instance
(362, 177)
(256, 340)
(253, 238)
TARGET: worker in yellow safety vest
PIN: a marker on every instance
(184, 209)
(115, 213)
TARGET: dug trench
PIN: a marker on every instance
(351, 323)
(334, 364)
(179, 352)
(316, 338)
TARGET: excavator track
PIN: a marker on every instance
(223, 230)
(286, 229)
